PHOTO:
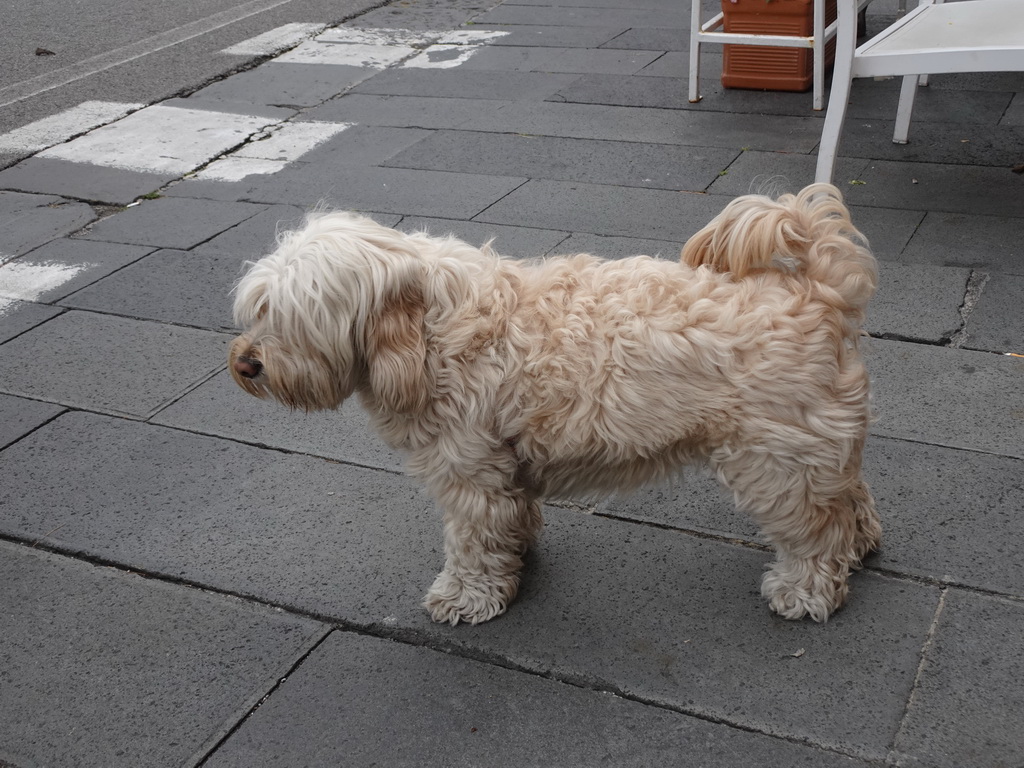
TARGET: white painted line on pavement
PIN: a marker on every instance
(289, 141)
(283, 144)
(27, 281)
(275, 40)
(442, 57)
(471, 36)
(346, 54)
(159, 139)
(379, 36)
(377, 48)
(62, 126)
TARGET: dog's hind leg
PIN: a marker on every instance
(487, 532)
(820, 519)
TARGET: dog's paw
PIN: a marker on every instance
(455, 598)
(795, 595)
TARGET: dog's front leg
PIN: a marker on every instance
(487, 532)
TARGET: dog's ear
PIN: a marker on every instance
(396, 354)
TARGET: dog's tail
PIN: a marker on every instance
(808, 234)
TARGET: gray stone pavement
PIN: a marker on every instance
(189, 576)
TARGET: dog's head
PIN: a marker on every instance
(338, 306)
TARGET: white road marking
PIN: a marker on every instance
(377, 48)
(27, 281)
(471, 36)
(275, 40)
(346, 54)
(379, 36)
(104, 61)
(289, 141)
(282, 145)
(62, 126)
(441, 57)
(159, 139)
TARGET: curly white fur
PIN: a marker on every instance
(507, 381)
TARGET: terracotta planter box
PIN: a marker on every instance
(772, 68)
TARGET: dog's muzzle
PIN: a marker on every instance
(248, 368)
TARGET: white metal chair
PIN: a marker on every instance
(934, 38)
(703, 33)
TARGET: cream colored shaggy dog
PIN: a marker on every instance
(507, 381)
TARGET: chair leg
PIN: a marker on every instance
(695, 25)
(905, 109)
(818, 55)
(694, 95)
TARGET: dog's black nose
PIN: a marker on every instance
(247, 367)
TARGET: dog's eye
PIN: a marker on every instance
(261, 312)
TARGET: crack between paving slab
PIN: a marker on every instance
(975, 285)
(495, 202)
(273, 689)
(921, 667)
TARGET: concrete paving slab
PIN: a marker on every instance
(17, 202)
(31, 220)
(425, 15)
(996, 323)
(170, 222)
(18, 417)
(625, 164)
(965, 189)
(256, 235)
(285, 85)
(618, 247)
(560, 15)
(239, 107)
(917, 302)
(552, 59)
(179, 287)
(952, 397)
(947, 515)
(403, 111)
(1015, 112)
(656, 126)
(966, 707)
(381, 190)
(982, 242)
(663, 86)
(83, 261)
(356, 146)
(554, 36)
(676, 64)
(488, 715)
(114, 186)
(686, 631)
(183, 505)
(935, 142)
(465, 84)
(136, 673)
(518, 242)
(654, 38)
(963, 111)
(93, 361)
(605, 210)
(290, 529)
(775, 172)
(219, 407)
(1012, 82)
(364, 145)
(16, 316)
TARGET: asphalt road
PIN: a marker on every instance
(133, 51)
